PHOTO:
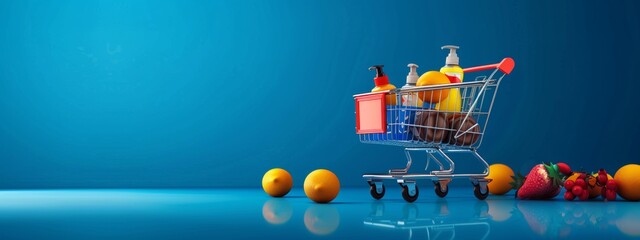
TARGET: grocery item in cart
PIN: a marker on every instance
(430, 126)
(453, 103)
(382, 84)
(401, 118)
(433, 78)
(467, 130)
(411, 99)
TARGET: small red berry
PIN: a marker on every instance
(569, 184)
(603, 192)
(584, 196)
(564, 168)
(602, 177)
(581, 183)
(611, 195)
(577, 190)
(569, 196)
(582, 176)
(611, 184)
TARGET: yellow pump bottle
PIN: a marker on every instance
(382, 84)
(453, 103)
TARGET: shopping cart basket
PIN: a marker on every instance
(427, 129)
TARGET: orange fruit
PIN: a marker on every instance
(596, 190)
(628, 182)
(277, 182)
(501, 177)
(321, 186)
(433, 78)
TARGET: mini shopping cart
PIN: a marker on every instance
(396, 117)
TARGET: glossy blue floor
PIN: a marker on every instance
(250, 213)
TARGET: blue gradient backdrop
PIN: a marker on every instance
(214, 93)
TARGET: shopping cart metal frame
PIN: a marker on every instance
(438, 151)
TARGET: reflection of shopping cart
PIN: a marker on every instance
(426, 129)
(433, 226)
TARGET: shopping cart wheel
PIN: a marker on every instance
(439, 190)
(407, 193)
(478, 192)
(375, 193)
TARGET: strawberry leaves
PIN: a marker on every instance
(554, 174)
(518, 180)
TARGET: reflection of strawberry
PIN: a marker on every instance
(543, 182)
(546, 223)
(538, 221)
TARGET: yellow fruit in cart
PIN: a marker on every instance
(628, 182)
(433, 78)
(596, 190)
(277, 182)
(321, 186)
(453, 103)
(501, 177)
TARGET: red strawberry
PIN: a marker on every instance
(553, 194)
(543, 182)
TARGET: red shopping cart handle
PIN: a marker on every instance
(506, 65)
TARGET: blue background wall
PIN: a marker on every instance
(213, 93)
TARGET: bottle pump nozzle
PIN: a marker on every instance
(378, 68)
(412, 77)
(381, 78)
(452, 58)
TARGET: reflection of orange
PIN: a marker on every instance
(321, 186)
(277, 211)
(629, 222)
(500, 210)
(628, 182)
(277, 182)
(321, 219)
(501, 177)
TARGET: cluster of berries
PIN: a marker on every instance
(584, 184)
(577, 188)
(609, 187)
